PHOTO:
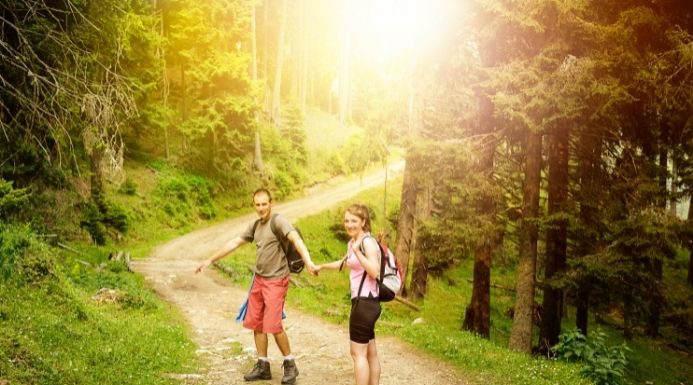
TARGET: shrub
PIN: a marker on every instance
(603, 364)
(11, 199)
(184, 197)
(22, 257)
(129, 187)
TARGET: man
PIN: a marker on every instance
(268, 293)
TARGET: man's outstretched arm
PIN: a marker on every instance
(229, 247)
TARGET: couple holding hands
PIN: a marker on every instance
(268, 292)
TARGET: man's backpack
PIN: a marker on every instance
(293, 257)
(390, 277)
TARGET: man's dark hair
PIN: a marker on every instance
(262, 190)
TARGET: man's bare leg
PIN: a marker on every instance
(282, 343)
(260, 343)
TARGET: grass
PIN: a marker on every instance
(54, 330)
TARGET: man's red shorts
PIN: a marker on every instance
(265, 305)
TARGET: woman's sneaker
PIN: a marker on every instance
(261, 371)
(290, 372)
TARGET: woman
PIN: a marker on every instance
(363, 260)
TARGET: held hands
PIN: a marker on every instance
(312, 268)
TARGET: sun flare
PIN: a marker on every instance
(389, 28)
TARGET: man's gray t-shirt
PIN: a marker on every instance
(270, 261)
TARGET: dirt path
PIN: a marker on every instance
(209, 303)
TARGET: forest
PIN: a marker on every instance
(552, 139)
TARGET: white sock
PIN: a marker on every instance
(263, 359)
(288, 358)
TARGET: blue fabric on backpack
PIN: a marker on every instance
(243, 310)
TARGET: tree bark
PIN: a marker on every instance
(477, 317)
(276, 91)
(521, 332)
(556, 238)
(419, 279)
(405, 221)
(690, 241)
(344, 69)
(304, 28)
(590, 148)
(673, 201)
(96, 178)
(253, 32)
(656, 297)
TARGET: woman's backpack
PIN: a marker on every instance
(390, 277)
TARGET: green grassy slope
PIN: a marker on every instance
(57, 328)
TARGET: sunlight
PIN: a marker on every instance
(385, 29)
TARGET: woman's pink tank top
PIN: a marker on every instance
(356, 274)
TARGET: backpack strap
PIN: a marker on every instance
(384, 257)
(363, 279)
(257, 222)
(283, 241)
(275, 230)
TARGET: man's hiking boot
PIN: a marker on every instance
(290, 372)
(261, 371)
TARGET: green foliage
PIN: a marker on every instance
(458, 194)
(129, 187)
(184, 198)
(99, 217)
(621, 272)
(285, 167)
(11, 199)
(218, 97)
(335, 164)
(603, 364)
(58, 332)
(93, 223)
(22, 257)
(294, 132)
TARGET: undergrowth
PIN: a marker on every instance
(55, 328)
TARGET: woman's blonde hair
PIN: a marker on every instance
(361, 211)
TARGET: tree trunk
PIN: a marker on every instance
(521, 332)
(556, 238)
(406, 219)
(257, 161)
(419, 279)
(303, 59)
(265, 41)
(477, 316)
(590, 148)
(673, 201)
(344, 69)
(656, 297)
(406, 222)
(253, 32)
(690, 242)
(276, 91)
(96, 178)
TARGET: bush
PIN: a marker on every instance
(129, 187)
(11, 199)
(22, 257)
(605, 365)
(185, 197)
